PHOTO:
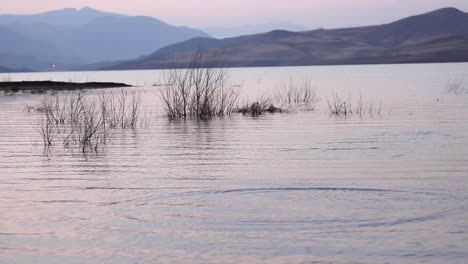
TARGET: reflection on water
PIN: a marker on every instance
(299, 187)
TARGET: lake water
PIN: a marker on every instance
(278, 188)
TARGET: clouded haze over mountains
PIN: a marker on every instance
(214, 13)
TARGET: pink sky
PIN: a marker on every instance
(205, 13)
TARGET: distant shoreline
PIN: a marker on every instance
(235, 67)
(239, 66)
(42, 86)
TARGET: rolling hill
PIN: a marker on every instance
(438, 36)
(225, 32)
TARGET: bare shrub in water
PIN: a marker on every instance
(302, 93)
(200, 91)
(339, 106)
(122, 110)
(46, 124)
(86, 122)
(366, 107)
(456, 88)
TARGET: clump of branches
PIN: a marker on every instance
(74, 119)
(201, 91)
(259, 107)
(341, 106)
(456, 88)
(121, 110)
(298, 94)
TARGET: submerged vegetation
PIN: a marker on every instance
(74, 119)
(200, 91)
(455, 88)
(298, 94)
(259, 107)
(288, 98)
(343, 106)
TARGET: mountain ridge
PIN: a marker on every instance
(437, 36)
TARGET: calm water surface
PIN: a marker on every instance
(284, 188)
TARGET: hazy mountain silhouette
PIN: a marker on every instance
(111, 38)
(8, 70)
(72, 37)
(439, 36)
(17, 44)
(223, 32)
(64, 17)
(18, 51)
(3, 69)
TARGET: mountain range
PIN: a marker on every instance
(89, 39)
(72, 37)
(438, 36)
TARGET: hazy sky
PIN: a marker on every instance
(205, 13)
